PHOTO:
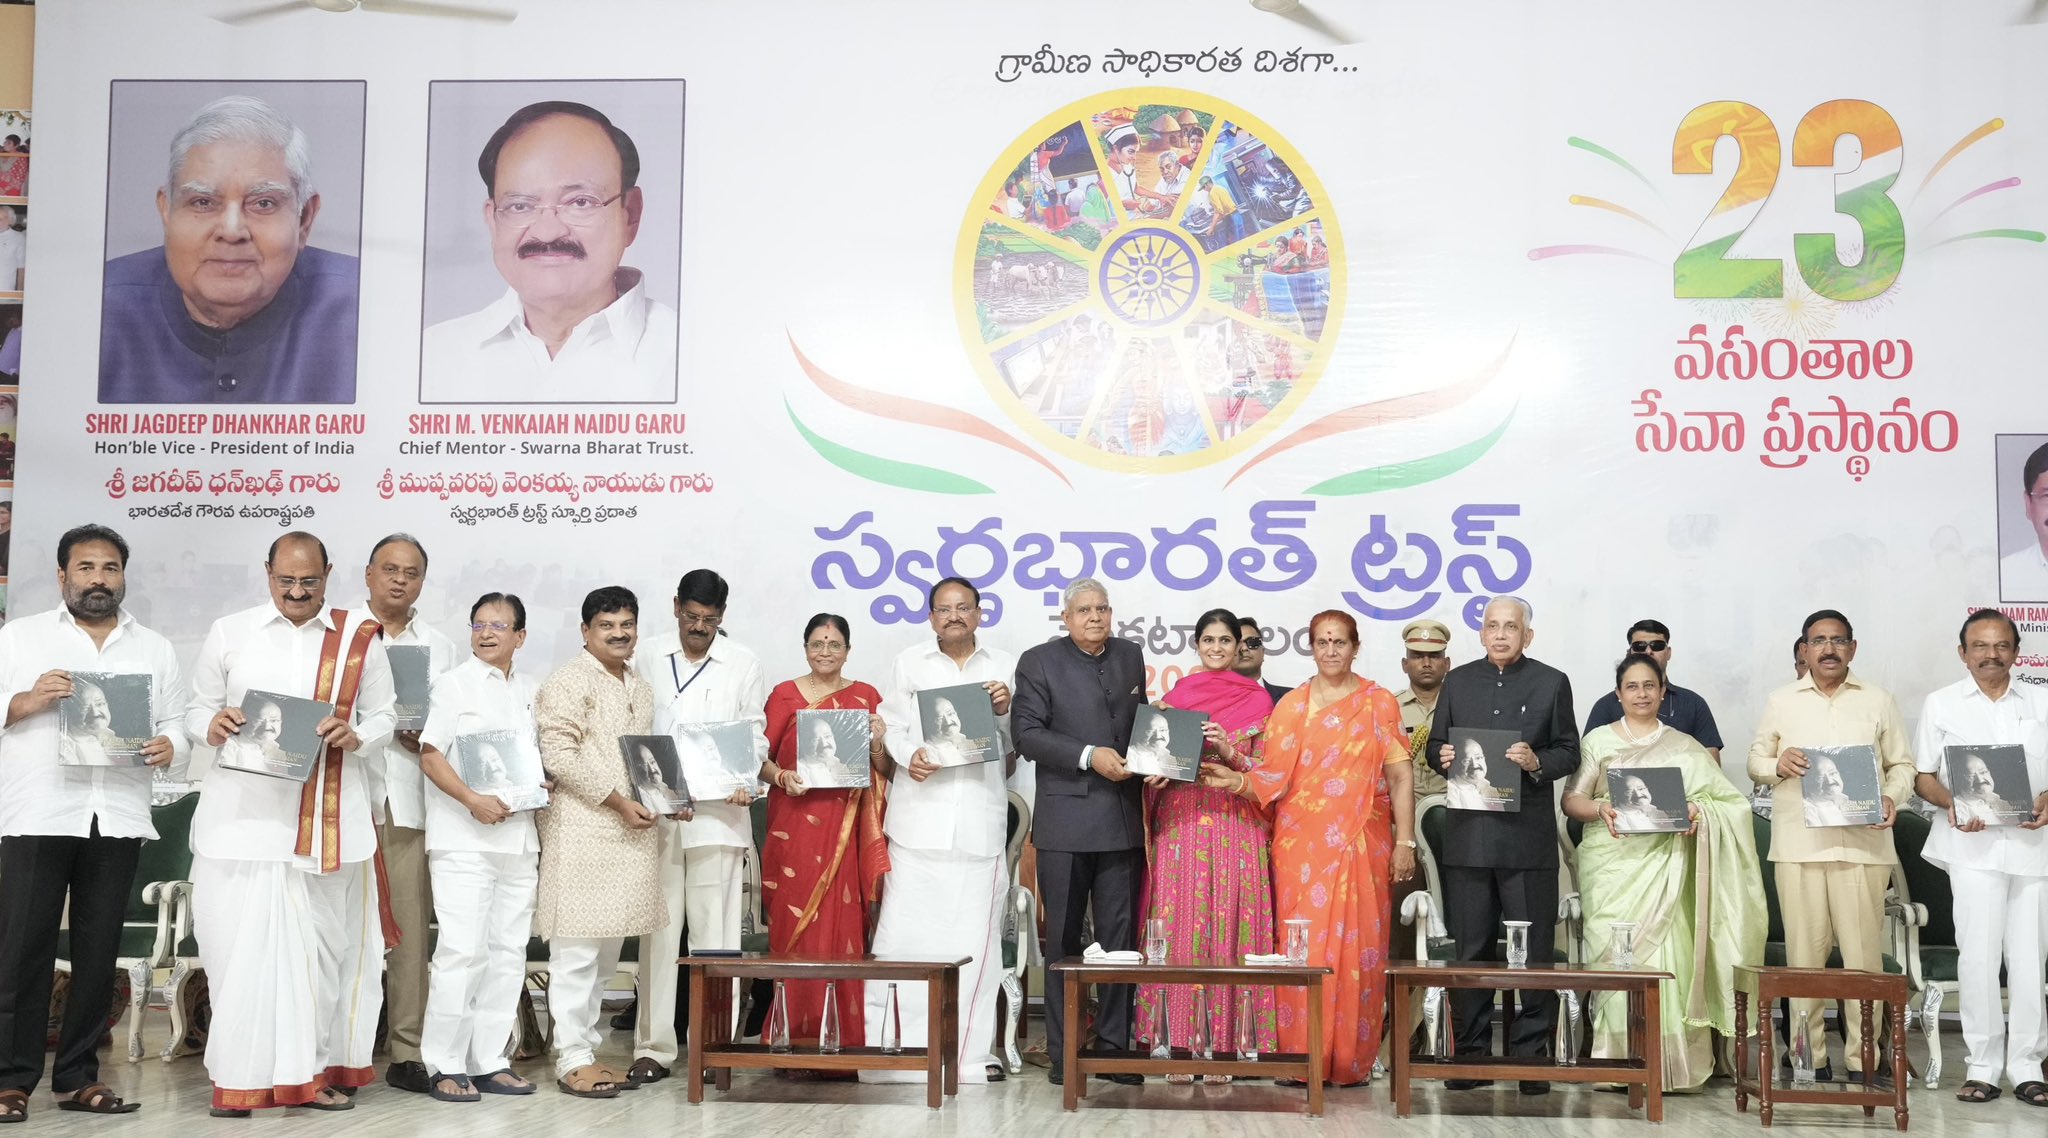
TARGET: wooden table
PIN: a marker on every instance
(1210, 974)
(1766, 986)
(1642, 1072)
(711, 1019)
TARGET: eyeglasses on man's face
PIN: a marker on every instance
(1646, 646)
(574, 210)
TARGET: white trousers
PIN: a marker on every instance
(1999, 915)
(941, 904)
(704, 891)
(484, 903)
(578, 968)
(294, 964)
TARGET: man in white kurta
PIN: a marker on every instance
(396, 572)
(946, 826)
(288, 924)
(485, 860)
(698, 676)
(1999, 874)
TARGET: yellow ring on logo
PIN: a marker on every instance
(1162, 398)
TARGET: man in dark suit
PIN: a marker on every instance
(1498, 865)
(1071, 715)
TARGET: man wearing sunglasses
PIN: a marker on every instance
(1682, 709)
(562, 202)
(1251, 656)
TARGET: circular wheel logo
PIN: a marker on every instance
(1150, 279)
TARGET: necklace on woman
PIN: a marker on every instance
(1629, 734)
(817, 685)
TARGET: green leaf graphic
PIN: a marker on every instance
(886, 471)
(1414, 472)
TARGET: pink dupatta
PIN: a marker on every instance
(1235, 702)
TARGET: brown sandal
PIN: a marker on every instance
(642, 1072)
(97, 1099)
(592, 1080)
(13, 1106)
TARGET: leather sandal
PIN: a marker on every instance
(13, 1106)
(1977, 1090)
(2033, 1092)
(97, 1099)
(315, 1103)
(642, 1072)
(592, 1080)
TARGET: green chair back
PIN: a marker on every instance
(1927, 882)
(1775, 935)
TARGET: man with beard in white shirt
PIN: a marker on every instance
(71, 831)
(284, 901)
(396, 572)
(699, 676)
(945, 824)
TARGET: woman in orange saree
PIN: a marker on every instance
(1336, 771)
(824, 856)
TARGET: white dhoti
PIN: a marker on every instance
(578, 968)
(938, 904)
(2001, 919)
(294, 964)
(484, 904)
(704, 891)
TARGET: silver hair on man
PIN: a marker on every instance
(1079, 588)
(240, 118)
(1528, 612)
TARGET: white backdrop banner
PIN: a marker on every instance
(1717, 317)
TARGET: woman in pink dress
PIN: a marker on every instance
(1211, 876)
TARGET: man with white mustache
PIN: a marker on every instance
(1831, 879)
(1999, 873)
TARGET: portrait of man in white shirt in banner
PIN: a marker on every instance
(565, 292)
(2023, 517)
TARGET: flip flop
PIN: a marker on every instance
(488, 1084)
(463, 1092)
(1976, 1090)
(316, 1104)
(97, 1099)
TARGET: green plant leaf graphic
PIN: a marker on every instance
(886, 471)
(1414, 472)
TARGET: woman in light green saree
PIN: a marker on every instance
(1695, 898)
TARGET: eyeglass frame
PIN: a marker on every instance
(1645, 647)
(594, 212)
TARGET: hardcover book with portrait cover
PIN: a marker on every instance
(105, 720)
(1482, 776)
(1990, 784)
(279, 736)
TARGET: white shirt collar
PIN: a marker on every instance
(121, 623)
(324, 618)
(623, 319)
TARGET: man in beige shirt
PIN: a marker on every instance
(1831, 880)
(1427, 658)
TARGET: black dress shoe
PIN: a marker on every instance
(227, 1112)
(410, 1075)
(1883, 1082)
(1535, 1087)
(1124, 1079)
(627, 1017)
(1054, 1077)
(1466, 1084)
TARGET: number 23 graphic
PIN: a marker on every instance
(1705, 271)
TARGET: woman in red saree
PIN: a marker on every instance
(1336, 771)
(824, 857)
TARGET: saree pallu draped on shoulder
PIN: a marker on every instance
(1696, 902)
